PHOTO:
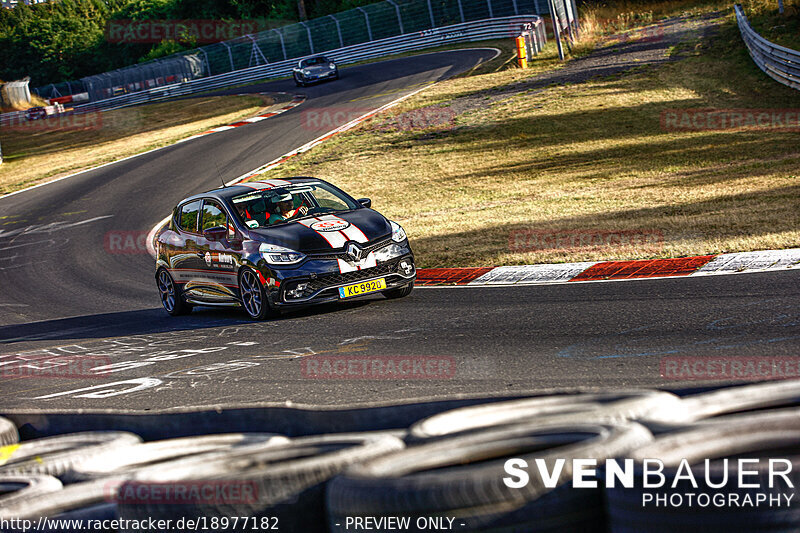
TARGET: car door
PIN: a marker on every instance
(184, 261)
(219, 257)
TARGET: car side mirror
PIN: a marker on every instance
(365, 202)
(216, 233)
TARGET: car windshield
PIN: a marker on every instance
(278, 205)
(310, 62)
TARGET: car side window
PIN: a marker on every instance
(187, 218)
(213, 215)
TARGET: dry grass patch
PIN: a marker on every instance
(35, 154)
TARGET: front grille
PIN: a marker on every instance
(332, 280)
(341, 255)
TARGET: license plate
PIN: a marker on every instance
(357, 289)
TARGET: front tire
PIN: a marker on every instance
(171, 297)
(254, 297)
(298, 82)
(402, 292)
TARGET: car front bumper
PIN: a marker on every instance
(311, 78)
(323, 279)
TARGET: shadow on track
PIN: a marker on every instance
(149, 321)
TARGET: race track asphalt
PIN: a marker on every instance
(63, 296)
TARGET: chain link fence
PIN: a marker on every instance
(372, 22)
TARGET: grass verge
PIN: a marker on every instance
(36, 152)
(576, 159)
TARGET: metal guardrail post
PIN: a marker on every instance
(256, 53)
(556, 30)
(205, 58)
(366, 19)
(491, 11)
(338, 30)
(283, 46)
(310, 40)
(399, 18)
(230, 55)
(576, 19)
(430, 11)
(570, 18)
(461, 11)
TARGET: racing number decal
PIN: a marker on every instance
(336, 238)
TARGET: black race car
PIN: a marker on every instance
(314, 69)
(276, 244)
(35, 113)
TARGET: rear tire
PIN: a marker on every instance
(253, 297)
(402, 292)
(171, 297)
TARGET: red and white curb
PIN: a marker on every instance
(297, 99)
(704, 265)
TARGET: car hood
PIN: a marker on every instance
(300, 237)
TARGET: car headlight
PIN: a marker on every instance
(398, 233)
(389, 252)
(306, 72)
(332, 66)
(278, 255)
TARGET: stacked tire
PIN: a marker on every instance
(502, 466)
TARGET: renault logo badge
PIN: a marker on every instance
(354, 252)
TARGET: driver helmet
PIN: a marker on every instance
(283, 199)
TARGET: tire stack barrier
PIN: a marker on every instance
(420, 462)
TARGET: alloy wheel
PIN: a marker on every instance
(251, 293)
(167, 289)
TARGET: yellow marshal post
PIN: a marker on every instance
(522, 54)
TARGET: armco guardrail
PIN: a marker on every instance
(779, 63)
(495, 28)
(471, 31)
(368, 22)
